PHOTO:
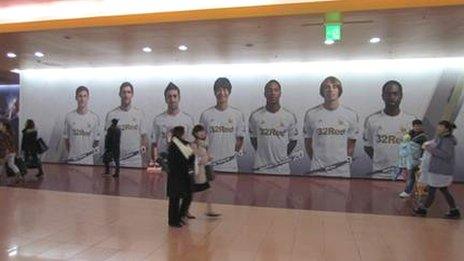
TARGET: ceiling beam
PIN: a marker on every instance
(313, 7)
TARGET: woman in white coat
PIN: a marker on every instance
(203, 177)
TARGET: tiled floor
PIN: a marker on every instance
(51, 225)
(311, 193)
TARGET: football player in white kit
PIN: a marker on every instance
(330, 131)
(273, 132)
(81, 130)
(225, 126)
(384, 130)
(166, 121)
(132, 122)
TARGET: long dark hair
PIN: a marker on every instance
(29, 124)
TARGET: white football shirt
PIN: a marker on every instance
(330, 131)
(81, 130)
(164, 123)
(273, 132)
(223, 128)
(132, 124)
(384, 134)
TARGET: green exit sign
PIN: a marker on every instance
(333, 31)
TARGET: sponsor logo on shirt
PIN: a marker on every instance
(271, 132)
(125, 127)
(330, 131)
(220, 129)
(388, 139)
(81, 132)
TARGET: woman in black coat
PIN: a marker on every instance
(29, 147)
(179, 187)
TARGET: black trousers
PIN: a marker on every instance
(431, 197)
(32, 160)
(178, 207)
(109, 157)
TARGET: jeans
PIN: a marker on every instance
(411, 180)
(431, 197)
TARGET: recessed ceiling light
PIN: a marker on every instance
(147, 49)
(375, 40)
(329, 42)
(15, 70)
(39, 54)
(11, 55)
(183, 47)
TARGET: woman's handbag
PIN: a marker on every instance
(41, 146)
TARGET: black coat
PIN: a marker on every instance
(29, 141)
(179, 180)
(113, 139)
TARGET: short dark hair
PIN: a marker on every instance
(197, 129)
(269, 83)
(333, 80)
(171, 86)
(82, 89)
(416, 122)
(222, 82)
(178, 131)
(391, 83)
(126, 84)
(114, 121)
(448, 125)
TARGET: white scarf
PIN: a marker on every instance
(186, 150)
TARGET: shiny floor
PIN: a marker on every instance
(52, 225)
(310, 193)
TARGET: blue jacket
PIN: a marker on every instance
(442, 160)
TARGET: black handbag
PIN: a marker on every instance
(41, 146)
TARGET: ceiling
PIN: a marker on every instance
(408, 33)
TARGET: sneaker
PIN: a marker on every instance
(420, 211)
(116, 175)
(453, 214)
(404, 195)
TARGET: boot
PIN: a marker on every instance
(453, 214)
(40, 174)
(420, 211)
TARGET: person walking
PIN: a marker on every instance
(29, 147)
(179, 182)
(438, 169)
(7, 144)
(112, 148)
(203, 171)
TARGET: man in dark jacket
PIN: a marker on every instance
(112, 147)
